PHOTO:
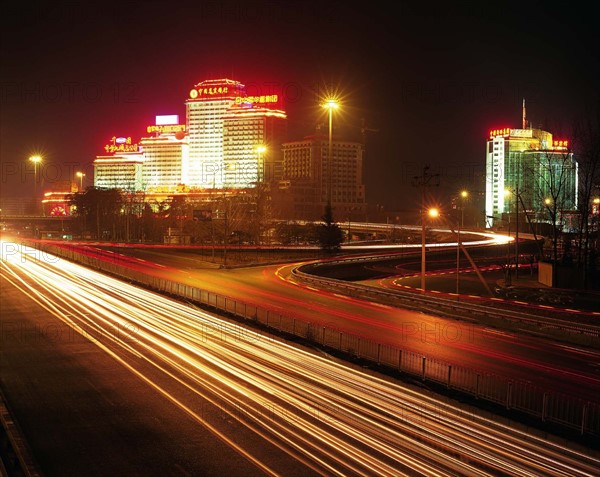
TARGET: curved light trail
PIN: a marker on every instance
(332, 419)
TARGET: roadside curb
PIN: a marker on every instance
(15, 455)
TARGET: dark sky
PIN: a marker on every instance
(431, 78)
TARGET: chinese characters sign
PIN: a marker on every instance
(257, 99)
(120, 144)
(499, 132)
(166, 129)
(200, 92)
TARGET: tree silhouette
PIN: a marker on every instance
(329, 233)
(99, 210)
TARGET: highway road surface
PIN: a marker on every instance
(285, 410)
(552, 366)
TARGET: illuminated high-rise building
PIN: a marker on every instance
(121, 166)
(525, 168)
(252, 138)
(165, 153)
(206, 106)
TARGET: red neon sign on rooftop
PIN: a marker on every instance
(499, 132)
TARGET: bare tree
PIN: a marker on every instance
(554, 174)
(587, 140)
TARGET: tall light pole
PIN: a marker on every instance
(81, 175)
(517, 199)
(260, 169)
(330, 105)
(424, 181)
(433, 213)
(36, 160)
(458, 257)
(517, 232)
(463, 196)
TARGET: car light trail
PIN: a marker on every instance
(332, 419)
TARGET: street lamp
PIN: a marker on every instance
(433, 213)
(81, 175)
(36, 160)
(463, 195)
(260, 170)
(330, 104)
(517, 198)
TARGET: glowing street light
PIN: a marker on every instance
(260, 172)
(81, 175)
(432, 213)
(36, 160)
(330, 104)
(464, 194)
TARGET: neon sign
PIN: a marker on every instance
(560, 144)
(196, 93)
(273, 98)
(121, 144)
(499, 132)
(166, 129)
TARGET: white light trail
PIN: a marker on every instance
(331, 418)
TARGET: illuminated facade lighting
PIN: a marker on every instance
(122, 172)
(520, 160)
(216, 148)
(208, 102)
(166, 155)
(245, 130)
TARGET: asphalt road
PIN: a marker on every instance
(83, 413)
(110, 379)
(549, 365)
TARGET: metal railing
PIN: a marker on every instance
(544, 404)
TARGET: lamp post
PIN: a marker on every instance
(517, 232)
(81, 175)
(463, 195)
(517, 198)
(433, 213)
(330, 105)
(36, 160)
(260, 169)
(458, 256)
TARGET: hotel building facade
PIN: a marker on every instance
(208, 103)
(526, 168)
(230, 140)
(235, 142)
(252, 138)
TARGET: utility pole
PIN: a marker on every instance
(423, 181)
(517, 228)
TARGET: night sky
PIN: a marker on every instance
(432, 79)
